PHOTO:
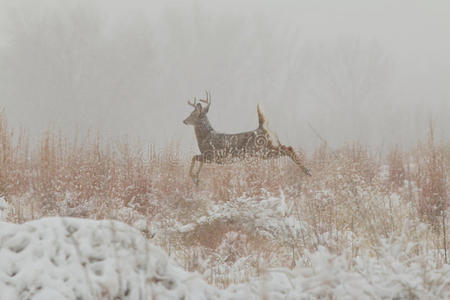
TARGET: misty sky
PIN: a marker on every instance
(372, 71)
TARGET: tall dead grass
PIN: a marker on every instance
(353, 199)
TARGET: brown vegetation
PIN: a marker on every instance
(353, 200)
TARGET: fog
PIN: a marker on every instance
(377, 72)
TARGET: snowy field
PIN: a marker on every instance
(96, 201)
(102, 223)
(94, 220)
(69, 258)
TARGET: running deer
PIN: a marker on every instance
(221, 147)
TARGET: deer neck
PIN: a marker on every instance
(203, 131)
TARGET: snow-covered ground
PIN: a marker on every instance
(69, 258)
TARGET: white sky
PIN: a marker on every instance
(280, 53)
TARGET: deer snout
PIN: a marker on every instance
(188, 121)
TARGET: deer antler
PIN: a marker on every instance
(207, 101)
(193, 104)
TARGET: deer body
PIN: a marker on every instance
(221, 147)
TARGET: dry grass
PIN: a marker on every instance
(353, 200)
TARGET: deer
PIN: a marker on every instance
(220, 148)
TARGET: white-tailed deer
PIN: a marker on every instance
(221, 147)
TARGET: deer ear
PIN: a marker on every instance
(198, 107)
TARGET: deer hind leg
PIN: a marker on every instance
(289, 151)
(194, 177)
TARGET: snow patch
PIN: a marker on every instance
(67, 258)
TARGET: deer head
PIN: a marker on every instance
(199, 112)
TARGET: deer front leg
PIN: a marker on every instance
(289, 151)
(194, 177)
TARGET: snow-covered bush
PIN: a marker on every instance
(67, 258)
